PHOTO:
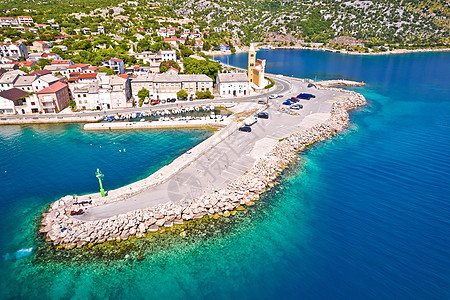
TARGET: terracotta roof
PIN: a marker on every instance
(95, 68)
(170, 39)
(24, 63)
(116, 59)
(60, 62)
(73, 79)
(57, 86)
(78, 65)
(13, 94)
(124, 76)
(87, 75)
(47, 54)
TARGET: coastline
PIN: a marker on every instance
(242, 191)
(393, 52)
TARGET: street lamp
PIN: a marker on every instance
(99, 175)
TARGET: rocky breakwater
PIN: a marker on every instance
(68, 232)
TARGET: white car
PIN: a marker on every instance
(273, 96)
(296, 106)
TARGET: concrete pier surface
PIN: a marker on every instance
(230, 169)
(234, 155)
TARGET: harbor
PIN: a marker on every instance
(217, 177)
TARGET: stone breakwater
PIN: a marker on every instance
(68, 232)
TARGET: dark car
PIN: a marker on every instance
(245, 129)
(288, 102)
(263, 115)
(311, 85)
(171, 100)
(306, 96)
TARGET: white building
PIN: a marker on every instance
(25, 20)
(43, 82)
(233, 84)
(167, 55)
(116, 64)
(13, 50)
(166, 85)
(13, 101)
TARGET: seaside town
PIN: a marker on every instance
(36, 80)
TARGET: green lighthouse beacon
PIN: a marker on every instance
(99, 175)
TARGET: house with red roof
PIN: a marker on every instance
(171, 40)
(25, 64)
(86, 77)
(92, 69)
(25, 20)
(78, 68)
(54, 98)
(62, 62)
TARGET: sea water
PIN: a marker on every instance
(364, 215)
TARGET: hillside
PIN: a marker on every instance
(375, 22)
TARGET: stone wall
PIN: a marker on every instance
(70, 232)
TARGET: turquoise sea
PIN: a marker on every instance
(365, 215)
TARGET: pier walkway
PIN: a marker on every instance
(234, 155)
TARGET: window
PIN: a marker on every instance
(79, 95)
(32, 103)
(84, 95)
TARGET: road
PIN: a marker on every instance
(231, 157)
(281, 86)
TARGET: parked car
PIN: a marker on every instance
(191, 99)
(154, 102)
(296, 106)
(245, 129)
(263, 115)
(311, 85)
(306, 96)
(288, 102)
(251, 120)
(295, 99)
(273, 96)
(171, 100)
(262, 102)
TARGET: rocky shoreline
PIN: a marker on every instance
(68, 232)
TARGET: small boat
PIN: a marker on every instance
(133, 116)
(142, 120)
(197, 108)
(139, 115)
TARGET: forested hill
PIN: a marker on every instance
(374, 22)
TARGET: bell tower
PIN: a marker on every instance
(251, 62)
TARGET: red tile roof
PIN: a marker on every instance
(24, 63)
(87, 75)
(48, 54)
(116, 59)
(78, 65)
(57, 86)
(61, 62)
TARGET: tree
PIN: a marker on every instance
(186, 51)
(207, 67)
(142, 94)
(107, 71)
(204, 95)
(182, 94)
(166, 65)
(42, 62)
(72, 104)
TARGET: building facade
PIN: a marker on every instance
(233, 84)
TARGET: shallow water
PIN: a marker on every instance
(363, 215)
